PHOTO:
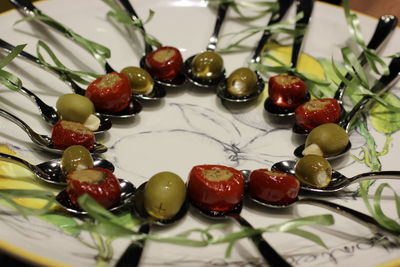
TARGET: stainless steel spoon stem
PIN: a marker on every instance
(25, 164)
(35, 137)
(221, 13)
(269, 254)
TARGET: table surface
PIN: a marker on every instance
(375, 8)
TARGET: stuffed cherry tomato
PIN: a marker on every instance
(215, 187)
(111, 92)
(100, 184)
(165, 63)
(273, 187)
(316, 112)
(68, 133)
(287, 91)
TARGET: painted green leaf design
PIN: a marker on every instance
(66, 224)
(384, 120)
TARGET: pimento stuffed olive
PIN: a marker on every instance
(287, 91)
(68, 133)
(110, 93)
(164, 63)
(273, 187)
(215, 187)
(316, 112)
(100, 184)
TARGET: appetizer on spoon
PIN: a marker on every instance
(331, 140)
(206, 69)
(286, 91)
(263, 187)
(160, 201)
(217, 192)
(133, 107)
(164, 63)
(244, 84)
(64, 134)
(53, 171)
(325, 181)
(318, 111)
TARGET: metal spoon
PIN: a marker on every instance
(43, 141)
(127, 192)
(385, 26)
(357, 216)
(338, 181)
(132, 254)
(269, 254)
(177, 81)
(28, 9)
(50, 115)
(276, 16)
(211, 46)
(133, 108)
(381, 86)
(306, 7)
(50, 171)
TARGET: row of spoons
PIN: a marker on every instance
(303, 6)
(49, 172)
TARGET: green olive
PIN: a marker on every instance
(76, 158)
(314, 170)
(207, 65)
(326, 140)
(164, 195)
(242, 82)
(141, 81)
(74, 107)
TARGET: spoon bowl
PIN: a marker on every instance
(127, 192)
(338, 181)
(50, 171)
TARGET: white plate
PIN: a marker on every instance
(187, 128)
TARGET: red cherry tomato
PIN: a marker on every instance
(165, 63)
(287, 91)
(100, 184)
(316, 112)
(215, 187)
(273, 187)
(68, 133)
(111, 92)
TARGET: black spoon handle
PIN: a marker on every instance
(28, 9)
(277, 16)
(385, 26)
(63, 76)
(133, 253)
(382, 85)
(221, 13)
(269, 254)
(357, 216)
(134, 16)
(306, 7)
